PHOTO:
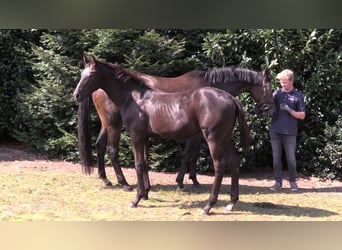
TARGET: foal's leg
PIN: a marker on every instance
(219, 163)
(194, 152)
(146, 177)
(233, 163)
(113, 151)
(189, 159)
(138, 147)
(101, 144)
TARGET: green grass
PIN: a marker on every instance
(59, 195)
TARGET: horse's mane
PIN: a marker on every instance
(227, 75)
(124, 74)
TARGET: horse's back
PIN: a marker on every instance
(212, 99)
(186, 82)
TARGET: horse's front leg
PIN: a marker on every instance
(141, 170)
(114, 133)
(234, 165)
(183, 167)
(101, 144)
(193, 160)
(190, 156)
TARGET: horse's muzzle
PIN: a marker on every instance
(77, 96)
(265, 110)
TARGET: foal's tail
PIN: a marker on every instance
(84, 136)
(245, 137)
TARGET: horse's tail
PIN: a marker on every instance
(84, 136)
(245, 137)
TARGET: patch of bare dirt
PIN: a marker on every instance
(15, 156)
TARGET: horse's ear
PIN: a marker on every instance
(266, 74)
(90, 59)
(85, 59)
(93, 60)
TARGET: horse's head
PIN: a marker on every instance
(90, 79)
(263, 95)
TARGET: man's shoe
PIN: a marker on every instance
(276, 187)
(293, 186)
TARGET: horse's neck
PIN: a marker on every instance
(235, 88)
(233, 80)
(123, 93)
(117, 93)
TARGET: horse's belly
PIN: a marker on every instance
(174, 130)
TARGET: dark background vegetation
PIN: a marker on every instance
(40, 68)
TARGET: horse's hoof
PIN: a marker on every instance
(230, 207)
(133, 205)
(204, 211)
(107, 184)
(197, 185)
(181, 189)
(127, 188)
(180, 186)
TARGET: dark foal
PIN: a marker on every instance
(146, 112)
(230, 79)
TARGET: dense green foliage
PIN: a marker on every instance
(16, 75)
(40, 69)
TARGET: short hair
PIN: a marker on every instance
(286, 73)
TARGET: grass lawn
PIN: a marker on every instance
(41, 190)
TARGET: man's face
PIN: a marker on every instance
(286, 84)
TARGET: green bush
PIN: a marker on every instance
(41, 68)
(321, 154)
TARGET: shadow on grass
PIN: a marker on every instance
(267, 208)
(246, 189)
(260, 208)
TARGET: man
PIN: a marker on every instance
(283, 129)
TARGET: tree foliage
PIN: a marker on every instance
(47, 108)
(40, 69)
(16, 75)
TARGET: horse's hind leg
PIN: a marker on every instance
(147, 185)
(113, 151)
(234, 165)
(216, 152)
(101, 144)
(219, 173)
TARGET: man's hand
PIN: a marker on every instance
(285, 107)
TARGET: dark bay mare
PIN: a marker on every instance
(146, 112)
(230, 79)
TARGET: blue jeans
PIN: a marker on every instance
(278, 141)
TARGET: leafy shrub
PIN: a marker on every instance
(40, 69)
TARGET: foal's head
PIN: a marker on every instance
(90, 79)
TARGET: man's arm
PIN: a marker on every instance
(296, 114)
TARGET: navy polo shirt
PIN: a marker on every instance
(282, 122)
